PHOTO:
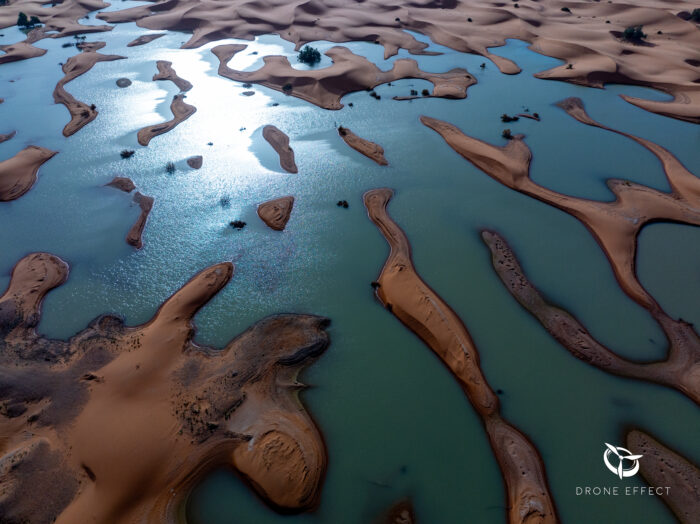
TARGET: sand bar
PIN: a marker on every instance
(280, 143)
(19, 173)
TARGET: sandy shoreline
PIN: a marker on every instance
(119, 423)
(369, 149)
(280, 143)
(401, 290)
(19, 173)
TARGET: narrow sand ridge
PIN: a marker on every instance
(585, 37)
(181, 112)
(122, 184)
(8, 136)
(133, 237)
(23, 50)
(144, 39)
(275, 213)
(349, 73)
(369, 149)
(166, 72)
(421, 309)
(19, 173)
(81, 113)
(61, 19)
(195, 162)
(662, 467)
(615, 225)
(119, 423)
(280, 143)
(680, 370)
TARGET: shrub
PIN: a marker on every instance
(27, 23)
(633, 33)
(506, 118)
(507, 134)
(695, 15)
(225, 201)
(425, 92)
(342, 131)
(309, 56)
(237, 224)
(170, 168)
(566, 9)
(127, 153)
(287, 88)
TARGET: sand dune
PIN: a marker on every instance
(181, 112)
(681, 369)
(144, 39)
(166, 72)
(122, 184)
(585, 37)
(134, 235)
(275, 213)
(415, 304)
(19, 173)
(663, 468)
(369, 149)
(195, 162)
(349, 73)
(280, 143)
(119, 423)
(81, 113)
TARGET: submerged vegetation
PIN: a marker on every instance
(127, 153)
(170, 168)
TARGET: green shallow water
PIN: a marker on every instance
(394, 420)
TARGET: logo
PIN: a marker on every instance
(624, 457)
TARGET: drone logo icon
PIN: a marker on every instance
(623, 455)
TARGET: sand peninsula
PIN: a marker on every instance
(663, 467)
(166, 72)
(19, 173)
(369, 149)
(280, 143)
(349, 73)
(275, 213)
(81, 114)
(23, 50)
(118, 423)
(615, 226)
(401, 290)
(7, 136)
(145, 39)
(122, 184)
(181, 112)
(133, 237)
(585, 35)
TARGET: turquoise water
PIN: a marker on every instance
(394, 420)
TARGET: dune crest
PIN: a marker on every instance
(280, 143)
(19, 173)
(369, 149)
(401, 290)
(181, 112)
(143, 413)
(275, 213)
(81, 114)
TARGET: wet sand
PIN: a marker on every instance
(19, 173)
(403, 293)
(280, 143)
(275, 213)
(119, 423)
(369, 149)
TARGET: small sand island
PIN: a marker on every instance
(280, 143)
(181, 112)
(119, 423)
(369, 149)
(275, 213)
(166, 72)
(19, 173)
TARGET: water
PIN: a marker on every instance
(394, 420)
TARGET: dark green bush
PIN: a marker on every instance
(308, 55)
(634, 33)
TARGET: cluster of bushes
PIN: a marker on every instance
(308, 55)
(27, 23)
(506, 118)
(695, 15)
(634, 33)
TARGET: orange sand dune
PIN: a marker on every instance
(369, 149)
(122, 184)
(280, 143)
(7, 136)
(166, 72)
(81, 113)
(144, 39)
(19, 173)
(349, 73)
(275, 213)
(133, 237)
(680, 370)
(19, 51)
(663, 468)
(587, 37)
(415, 304)
(181, 112)
(119, 423)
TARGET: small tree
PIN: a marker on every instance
(170, 168)
(507, 134)
(695, 15)
(309, 56)
(634, 33)
(22, 20)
